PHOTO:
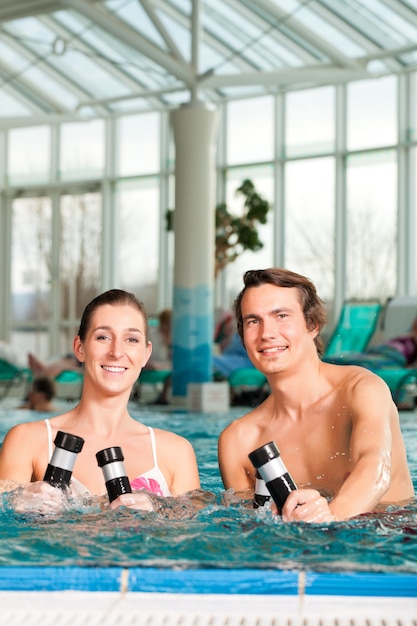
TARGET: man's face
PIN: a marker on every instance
(274, 329)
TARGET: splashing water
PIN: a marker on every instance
(209, 528)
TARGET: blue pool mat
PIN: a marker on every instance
(202, 581)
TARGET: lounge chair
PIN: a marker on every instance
(354, 330)
(396, 320)
(154, 380)
(249, 387)
(12, 375)
(69, 384)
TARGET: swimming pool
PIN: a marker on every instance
(224, 548)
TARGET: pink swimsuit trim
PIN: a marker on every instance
(150, 484)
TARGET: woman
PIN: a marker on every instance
(112, 343)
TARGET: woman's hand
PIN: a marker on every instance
(137, 500)
(38, 497)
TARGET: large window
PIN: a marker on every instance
(310, 219)
(137, 204)
(372, 225)
(310, 122)
(82, 150)
(41, 265)
(138, 144)
(262, 178)
(250, 131)
(372, 114)
(331, 160)
(31, 261)
(29, 155)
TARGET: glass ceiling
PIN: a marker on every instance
(75, 59)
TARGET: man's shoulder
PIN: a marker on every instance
(243, 424)
(347, 375)
(355, 383)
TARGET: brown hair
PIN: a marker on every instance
(44, 385)
(312, 306)
(164, 317)
(113, 297)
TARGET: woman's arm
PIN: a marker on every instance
(17, 454)
(184, 469)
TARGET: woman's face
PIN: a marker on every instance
(115, 348)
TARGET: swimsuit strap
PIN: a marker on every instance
(153, 442)
(49, 431)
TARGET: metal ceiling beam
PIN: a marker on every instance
(210, 38)
(181, 71)
(171, 45)
(43, 65)
(87, 49)
(29, 91)
(21, 95)
(274, 32)
(403, 10)
(36, 119)
(116, 70)
(384, 54)
(291, 23)
(304, 75)
(13, 9)
(148, 93)
(367, 38)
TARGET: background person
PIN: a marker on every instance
(40, 396)
(161, 358)
(336, 426)
(51, 369)
(112, 343)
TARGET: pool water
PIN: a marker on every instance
(211, 528)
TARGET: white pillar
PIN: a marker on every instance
(195, 127)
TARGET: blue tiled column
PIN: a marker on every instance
(195, 127)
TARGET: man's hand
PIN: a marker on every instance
(306, 505)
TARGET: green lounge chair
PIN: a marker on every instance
(11, 375)
(155, 379)
(248, 385)
(354, 330)
(69, 384)
(402, 381)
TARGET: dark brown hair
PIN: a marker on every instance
(113, 297)
(44, 385)
(312, 306)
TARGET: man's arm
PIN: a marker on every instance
(370, 449)
(233, 460)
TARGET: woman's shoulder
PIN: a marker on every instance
(168, 438)
(25, 433)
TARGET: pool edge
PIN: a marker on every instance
(207, 581)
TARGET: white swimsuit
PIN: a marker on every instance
(153, 480)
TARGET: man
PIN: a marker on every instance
(336, 426)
